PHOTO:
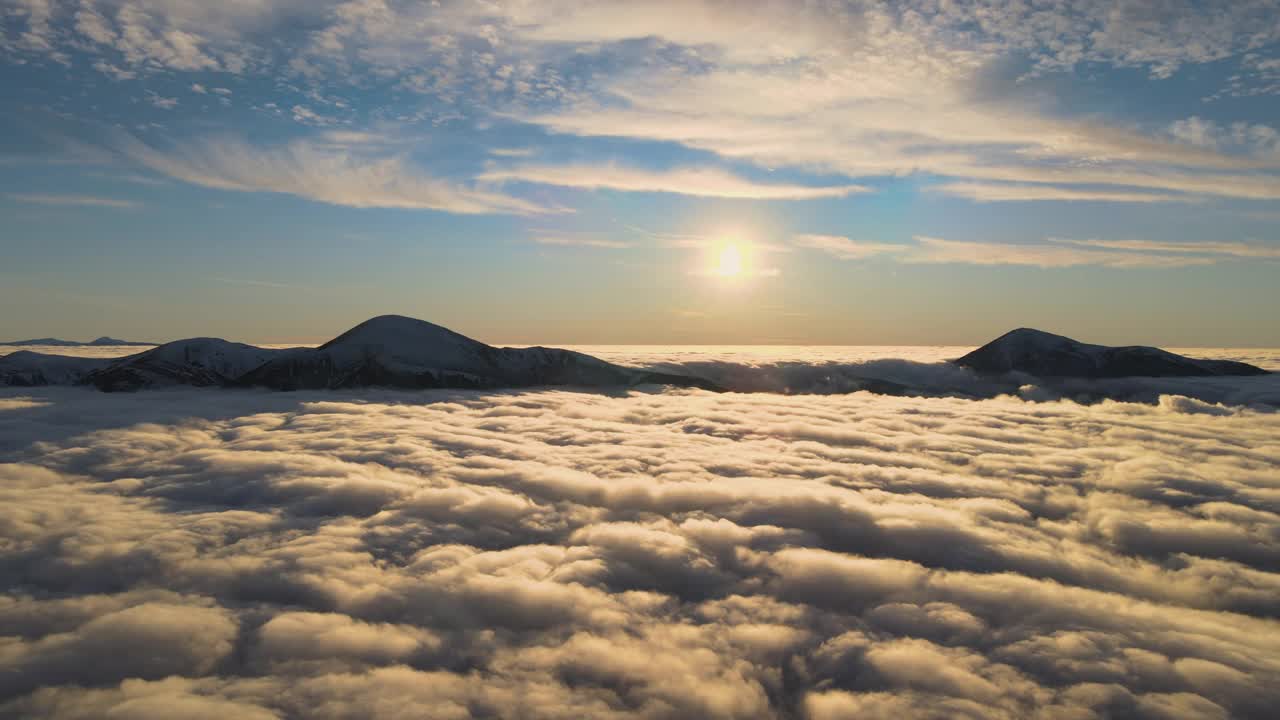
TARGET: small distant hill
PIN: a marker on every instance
(55, 342)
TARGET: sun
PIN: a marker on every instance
(729, 261)
(732, 260)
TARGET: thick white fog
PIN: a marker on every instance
(552, 554)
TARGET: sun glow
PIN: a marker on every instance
(729, 261)
(733, 260)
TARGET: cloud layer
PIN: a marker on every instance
(71, 200)
(859, 90)
(354, 176)
(701, 182)
(553, 554)
(1051, 253)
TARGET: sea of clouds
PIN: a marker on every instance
(924, 371)
(680, 554)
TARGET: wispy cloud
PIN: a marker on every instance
(118, 176)
(1230, 249)
(160, 101)
(329, 174)
(853, 91)
(861, 90)
(1247, 185)
(1046, 255)
(307, 116)
(114, 72)
(354, 138)
(589, 242)
(1051, 253)
(512, 152)
(73, 200)
(846, 248)
(995, 192)
(901, 99)
(702, 182)
(908, 134)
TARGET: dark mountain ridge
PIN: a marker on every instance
(399, 352)
(1046, 355)
(100, 342)
(386, 351)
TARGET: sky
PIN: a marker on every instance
(919, 172)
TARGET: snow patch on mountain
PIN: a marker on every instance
(198, 361)
(31, 369)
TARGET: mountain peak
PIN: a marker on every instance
(399, 351)
(1044, 354)
(1034, 336)
(391, 331)
(1032, 332)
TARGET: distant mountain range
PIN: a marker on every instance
(55, 342)
(399, 352)
(387, 351)
(1046, 355)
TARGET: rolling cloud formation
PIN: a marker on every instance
(553, 554)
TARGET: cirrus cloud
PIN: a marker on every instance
(333, 174)
(1052, 253)
(72, 200)
(994, 192)
(845, 248)
(859, 90)
(700, 182)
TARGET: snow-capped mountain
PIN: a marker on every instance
(1043, 354)
(198, 361)
(400, 352)
(31, 369)
(396, 351)
(386, 351)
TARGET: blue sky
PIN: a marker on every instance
(571, 172)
